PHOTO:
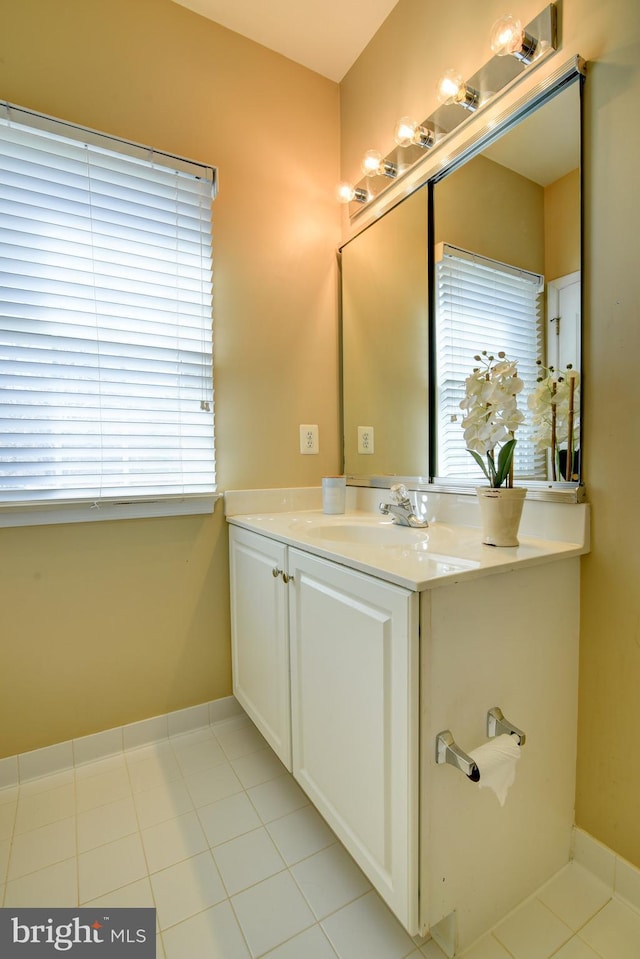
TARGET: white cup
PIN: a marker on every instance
(334, 490)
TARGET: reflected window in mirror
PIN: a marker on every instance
(515, 207)
(484, 304)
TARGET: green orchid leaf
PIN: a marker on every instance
(480, 463)
(504, 461)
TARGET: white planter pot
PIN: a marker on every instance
(500, 512)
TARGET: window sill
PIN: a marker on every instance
(59, 513)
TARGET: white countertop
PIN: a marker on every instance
(418, 559)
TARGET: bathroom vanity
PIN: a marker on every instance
(356, 642)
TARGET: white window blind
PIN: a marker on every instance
(105, 318)
(482, 304)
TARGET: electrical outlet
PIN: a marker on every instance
(309, 442)
(365, 439)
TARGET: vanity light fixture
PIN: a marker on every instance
(524, 49)
(374, 164)
(409, 132)
(347, 192)
(509, 39)
(451, 88)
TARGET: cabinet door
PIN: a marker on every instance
(259, 636)
(354, 660)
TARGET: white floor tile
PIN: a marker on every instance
(330, 880)
(258, 767)
(240, 740)
(110, 764)
(5, 846)
(46, 807)
(8, 794)
(310, 944)
(209, 785)
(106, 823)
(248, 859)
(277, 797)
(42, 847)
(44, 783)
(54, 886)
(271, 913)
(574, 895)
(367, 928)
(109, 867)
(486, 948)
(172, 841)
(300, 834)
(163, 802)
(135, 895)
(186, 889)
(213, 934)
(7, 819)
(576, 949)
(431, 950)
(532, 932)
(153, 771)
(103, 789)
(199, 755)
(615, 932)
(228, 818)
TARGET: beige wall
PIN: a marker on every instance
(107, 623)
(395, 76)
(487, 209)
(562, 226)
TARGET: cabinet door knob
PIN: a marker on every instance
(287, 578)
(275, 572)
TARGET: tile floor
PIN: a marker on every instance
(210, 829)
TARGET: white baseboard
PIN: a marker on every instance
(622, 877)
(76, 752)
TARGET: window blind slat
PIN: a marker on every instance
(483, 305)
(105, 322)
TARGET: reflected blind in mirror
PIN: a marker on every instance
(105, 320)
(482, 304)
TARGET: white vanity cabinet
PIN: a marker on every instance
(340, 648)
(354, 707)
(259, 636)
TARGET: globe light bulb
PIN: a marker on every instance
(408, 132)
(371, 163)
(347, 192)
(405, 129)
(451, 88)
(509, 39)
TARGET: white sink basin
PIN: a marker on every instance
(374, 534)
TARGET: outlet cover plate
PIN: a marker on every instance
(309, 440)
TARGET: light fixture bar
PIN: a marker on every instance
(531, 46)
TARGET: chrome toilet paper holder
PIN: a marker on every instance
(448, 751)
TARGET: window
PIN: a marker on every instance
(105, 321)
(483, 305)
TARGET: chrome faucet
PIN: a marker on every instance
(401, 508)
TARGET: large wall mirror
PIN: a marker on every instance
(485, 255)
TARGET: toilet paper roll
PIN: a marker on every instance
(496, 761)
